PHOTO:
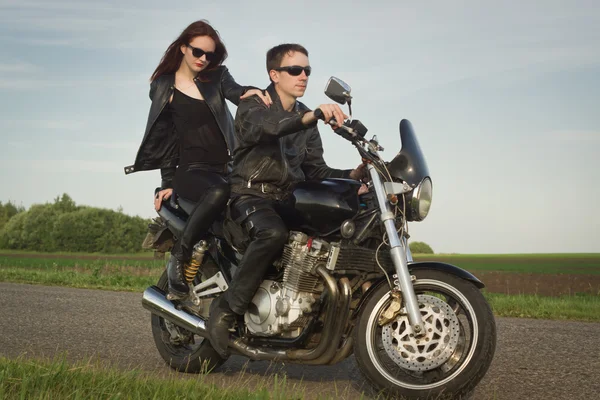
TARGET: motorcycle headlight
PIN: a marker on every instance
(421, 200)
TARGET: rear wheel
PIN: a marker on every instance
(181, 349)
(449, 360)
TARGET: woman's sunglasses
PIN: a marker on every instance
(295, 70)
(196, 52)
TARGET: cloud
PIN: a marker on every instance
(23, 83)
(70, 166)
(30, 84)
(112, 145)
(91, 17)
(44, 124)
(18, 76)
(63, 125)
(62, 42)
(75, 145)
(575, 136)
(19, 67)
(19, 144)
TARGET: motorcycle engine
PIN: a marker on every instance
(279, 308)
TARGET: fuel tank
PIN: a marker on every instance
(320, 207)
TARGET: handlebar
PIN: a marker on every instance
(319, 115)
(345, 131)
(354, 132)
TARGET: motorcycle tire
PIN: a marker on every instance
(449, 361)
(196, 355)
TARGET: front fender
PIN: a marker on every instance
(448, 268)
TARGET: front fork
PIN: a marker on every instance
(399, 251)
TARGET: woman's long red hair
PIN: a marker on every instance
(171, 60)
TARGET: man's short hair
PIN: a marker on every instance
(276, 54)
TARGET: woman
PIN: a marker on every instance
(189, 134)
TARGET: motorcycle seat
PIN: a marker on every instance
(179, 202)
(183, 207)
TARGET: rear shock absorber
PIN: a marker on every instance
(192, 268)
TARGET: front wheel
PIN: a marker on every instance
(181, 349)
(451, 357)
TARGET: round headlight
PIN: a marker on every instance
(421, 200)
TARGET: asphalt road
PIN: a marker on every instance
(535, 359)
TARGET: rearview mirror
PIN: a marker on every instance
(338, 90)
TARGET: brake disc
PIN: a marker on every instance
(424, 353)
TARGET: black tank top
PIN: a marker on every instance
(200, 138)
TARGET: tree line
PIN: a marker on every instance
(65, 226)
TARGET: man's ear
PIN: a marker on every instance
(274, 75)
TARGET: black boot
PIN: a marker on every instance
(177, 284)
(200, 219)
(220, 320)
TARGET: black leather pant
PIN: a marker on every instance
(210, 191)
(268, 234)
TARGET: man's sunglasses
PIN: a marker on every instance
(295, 70)
(196, 52)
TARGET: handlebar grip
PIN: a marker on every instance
(319, 115)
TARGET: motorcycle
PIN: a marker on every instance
(345, 283)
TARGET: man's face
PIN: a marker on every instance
(289, 84)
(201, 44)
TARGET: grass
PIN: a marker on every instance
(111, 272)
(94, 273)
(142, 254)
(576, 263)
(81, 263)
(579, 307)
(582, 307)
(56, 379)
(81, 279)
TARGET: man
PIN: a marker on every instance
(277, 147)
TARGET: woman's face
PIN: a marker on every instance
(203, 47)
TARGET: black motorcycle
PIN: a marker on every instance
(345, 284)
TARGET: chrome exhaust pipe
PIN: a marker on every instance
(257, 354)
(339, 326)
(344, 351)
(329, 326)
(155, 301)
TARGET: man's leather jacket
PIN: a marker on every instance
(275, 149)
(160, 145)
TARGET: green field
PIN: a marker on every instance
(139, 255)
(553, 286)
(577, 263)
(112, 272)
(64, 262)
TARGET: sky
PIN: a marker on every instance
(504, 99)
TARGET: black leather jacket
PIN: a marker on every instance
(275, 149)
(160, 146)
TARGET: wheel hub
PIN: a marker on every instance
(442, 330)
(177, 337)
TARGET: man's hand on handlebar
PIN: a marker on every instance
(329, 112)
